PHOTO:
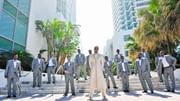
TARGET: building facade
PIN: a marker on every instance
(14, 19)
(125, 20)
(17, 22)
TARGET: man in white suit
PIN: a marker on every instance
(97, 80)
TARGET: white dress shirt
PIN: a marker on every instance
(164, 62)
(69, 63)
(39, 60)
(139, 60)
(108, 63)
(123, 67)
(119, 55)
(50, 62)
(15, 63)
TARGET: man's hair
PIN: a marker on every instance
(117, 50)
(14, 53)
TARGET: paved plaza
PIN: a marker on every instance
(120, 96)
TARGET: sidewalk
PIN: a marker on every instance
(132, 96)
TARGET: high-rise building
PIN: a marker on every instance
(14, 19)
(17, 22)
(125, 20)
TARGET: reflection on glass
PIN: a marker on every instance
(5, 44)
(6, 25)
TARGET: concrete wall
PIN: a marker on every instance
(40, 10)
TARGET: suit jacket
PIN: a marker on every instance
(117, 59)
(126, 66)
(146, 55)
(69, 68)
(11, 70)
(80, 60)
(171, 61)
(144, 67)
(87, 61)
(54, 62)
(108, 68)
(37, 65)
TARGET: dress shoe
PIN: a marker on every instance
(65, 94)
(48, 82)
(39, 86)
(167, 90)
(152, 92)
(33, 86)
(54, 82)
(144, 91)
(126, 91)
(85, 78)
(73, 94)
(173, 91)
(115, 87)
(8, 97)
(14, 95)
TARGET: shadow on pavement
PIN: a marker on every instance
(133, 93)
(155, 94)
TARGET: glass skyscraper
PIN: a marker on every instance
(14, 17)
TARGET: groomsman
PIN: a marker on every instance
(143, 69)
(108, 72)
(124, 72)
(69, 72)
(158, 67)
(87, 62)
(12, 74)
(52, 64)
(168, 66)
(37, 68)
(117, 59)
(80, 65)
(145, 54)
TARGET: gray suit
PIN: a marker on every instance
(69, 71)
(146, 55)
(37, 69)
(117, 59)
(80, 62)
(168, 72)
(51, 70)
(143, 71)
(108, 73)
(124, 74)
(159, 68)
(12, 74)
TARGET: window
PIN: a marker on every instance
(18, 47)
(14, 2)
(6, 25)
(5, 44)
(21, 17)
(24, 6)
(126, 37)
(126, 53)
(20, 34)
(10, 8)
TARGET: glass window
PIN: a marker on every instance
(24, 6)
(6, 25)
(21, 17)
(18, 47)
(20, 34)
(10, 8)
(126, 37)
(14, 2)
(5, 44)
(126, 53)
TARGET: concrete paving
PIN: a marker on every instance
(120, 96)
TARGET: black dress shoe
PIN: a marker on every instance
(73, 94)
(85, 78)
(173, 91)
(167, 90)
(48, 82)
(126, 91)
(144, 91)
(152, 92)
(39, 86)
(65, 94)
(108, 87)
(33, 86)
(8, 97)
(115, 87)
(54, 82)
(14, 95)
